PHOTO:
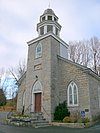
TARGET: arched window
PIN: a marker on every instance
(72, 94)
(38, 51)
(37, 87)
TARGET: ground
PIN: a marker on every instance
(12, 129)
(10, 105)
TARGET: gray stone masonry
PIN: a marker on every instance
(87, 87)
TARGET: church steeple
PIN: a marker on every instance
(48, 23)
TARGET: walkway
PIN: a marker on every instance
(12, 129)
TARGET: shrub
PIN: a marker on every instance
(61, 111)
(2, 98)
(85, 120)
(67, 119)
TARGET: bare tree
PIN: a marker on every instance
(95, 51)
(79, 52)
(18, 71)
(86, 52)
(2, 97)
(74, 51)
(3, 88)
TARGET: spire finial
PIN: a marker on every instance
(49, 5)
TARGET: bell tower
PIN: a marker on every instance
(48, 23)
(42, 75)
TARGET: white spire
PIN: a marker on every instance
(49, 5)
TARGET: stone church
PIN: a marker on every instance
(51, 78)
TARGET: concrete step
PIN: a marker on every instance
(39, 120)
(38, 116)
(35, 120)
(40, 124)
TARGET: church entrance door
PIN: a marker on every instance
(37, 102)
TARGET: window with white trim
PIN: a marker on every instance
(42, 30)
(49, 28)
(37, 87)
(43, 18)
(99, 95)
(72, 94)
(38, 50)
(49, 17)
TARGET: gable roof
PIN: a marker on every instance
(84, 68)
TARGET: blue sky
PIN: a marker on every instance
(9, 87)
(80, 19)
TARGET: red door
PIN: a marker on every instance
(37, 102)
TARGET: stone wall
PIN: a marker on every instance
(87, 87)
(68, 72)
(43, 73)
(21, 91)
(55, 47)
(94, 100)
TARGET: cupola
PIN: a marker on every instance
(48, 23)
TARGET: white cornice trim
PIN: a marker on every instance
(47, 35)
(46, 22)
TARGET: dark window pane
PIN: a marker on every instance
(55, 19)
(38, 50)
(49, 28)
(70, 90)
(56, 31)
(75, 98)
(42, 30)
(49, 17)
(70, 99)
(43, 18)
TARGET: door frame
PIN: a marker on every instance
(34, 91)
(33, 102)
(36, 101)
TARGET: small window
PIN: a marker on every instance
(55, 19)
(43, 18)
(72, 94)
(42, 30)
(56, 31)
(49, 17)
(49, 28)
(38, 52)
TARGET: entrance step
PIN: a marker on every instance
(34, 120)
(37, 116)
(38, 120)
